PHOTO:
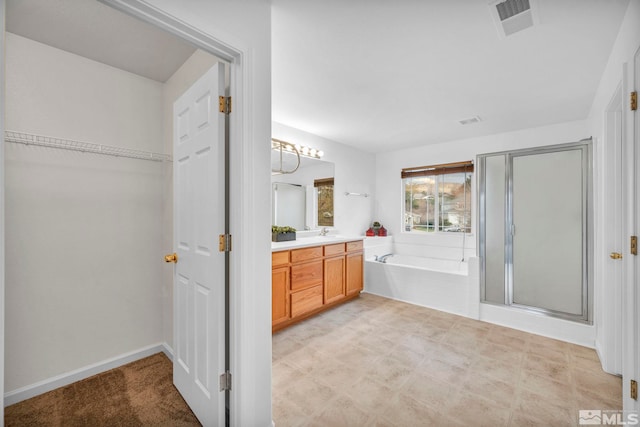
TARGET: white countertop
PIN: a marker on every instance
(305, 242)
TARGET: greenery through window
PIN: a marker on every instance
(438, 198)
(325, 201)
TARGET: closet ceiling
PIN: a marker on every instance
(381, 75)
(98, 32)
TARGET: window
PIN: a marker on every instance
(325, 201)
(438, 198)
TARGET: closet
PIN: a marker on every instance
(88, 203)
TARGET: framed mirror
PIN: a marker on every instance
(302, 199)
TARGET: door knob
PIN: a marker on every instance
(171, 258)
(615, 255)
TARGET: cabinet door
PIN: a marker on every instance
(306, 275)
(306, 300)
(333, 279)
(354, 281)
(279, 295)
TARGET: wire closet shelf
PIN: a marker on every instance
(84, 147)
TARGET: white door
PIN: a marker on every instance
(609, 331)
(199, 274)
(631, 318)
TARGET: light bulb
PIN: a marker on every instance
(305, 150)
(320, 153)
(312, 152)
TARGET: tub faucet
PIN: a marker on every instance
(324, 231)
(383, 258)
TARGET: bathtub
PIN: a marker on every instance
(430, 282)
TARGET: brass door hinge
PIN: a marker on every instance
(225, 381)
(224, 243)
(634, 101)
(634, 389)
(224, 104)
(634, 245)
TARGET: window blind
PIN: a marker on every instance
(322, 182)
(441, 169)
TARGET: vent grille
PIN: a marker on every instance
(510, 8)
(470, 120)
(512, 16)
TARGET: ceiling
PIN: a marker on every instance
(382, 75)
(99, 32)
(375, 74)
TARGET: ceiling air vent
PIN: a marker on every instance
(470, 120)
(512, 16)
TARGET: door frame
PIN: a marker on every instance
(241, 348)
(241, 63)
(631, 184)
(2, 169)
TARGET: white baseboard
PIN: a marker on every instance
(167, 350)
(62, 380)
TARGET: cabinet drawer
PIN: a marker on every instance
(306, 254)
(305, 275)
(336, 249)
(354, 246)
(279, 258)
(306, 300)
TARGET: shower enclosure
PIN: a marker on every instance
(534, 229)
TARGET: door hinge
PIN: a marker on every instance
(634, 389)
(224, 104)
(224, 243)
(634, 245)
(634, 101)
(225, 381)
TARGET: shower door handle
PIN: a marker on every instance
(615, 255)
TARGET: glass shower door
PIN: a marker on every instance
(534, 220)
(548, 228)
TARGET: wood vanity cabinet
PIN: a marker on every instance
(309, 280)
(334, 272)
(354, 263)
(280, 284)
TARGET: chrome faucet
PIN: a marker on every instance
(383, 258)
(324, 231)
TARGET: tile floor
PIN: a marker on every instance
(379, 362)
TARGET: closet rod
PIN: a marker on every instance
(85, 147)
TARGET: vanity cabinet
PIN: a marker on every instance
(309, 280)
(280, 285)
(333, 279)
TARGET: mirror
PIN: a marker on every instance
(303, 199)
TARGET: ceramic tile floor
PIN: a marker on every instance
(379, 362)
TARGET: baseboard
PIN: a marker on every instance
(62, 380)
(167, 350)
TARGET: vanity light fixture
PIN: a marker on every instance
(302, 150)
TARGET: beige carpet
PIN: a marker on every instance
(138, 394)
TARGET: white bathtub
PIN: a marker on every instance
(436, 283)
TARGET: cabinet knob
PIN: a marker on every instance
(615, 255)
(171, 258)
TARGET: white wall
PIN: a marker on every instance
(245, 26)
(83, 230)
(606, 309)
(176, 85)
(354, 172)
